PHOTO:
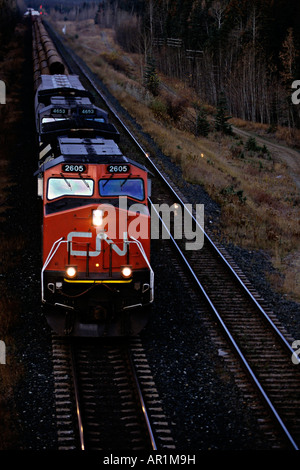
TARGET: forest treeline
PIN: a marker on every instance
(247, 49)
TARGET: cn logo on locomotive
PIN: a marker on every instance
(100, 236)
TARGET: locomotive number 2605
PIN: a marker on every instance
(74, 168)
(118, 168)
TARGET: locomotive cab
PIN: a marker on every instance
(96, 277)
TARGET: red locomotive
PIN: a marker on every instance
(96, 277)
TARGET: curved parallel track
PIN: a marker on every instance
(257, 341)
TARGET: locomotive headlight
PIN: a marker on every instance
(126, 271)
(97, 217)
(71, 271)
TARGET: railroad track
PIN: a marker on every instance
(251, 330)
(106, 398)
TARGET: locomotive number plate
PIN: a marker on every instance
(87, 112)
(74, 168)
(118, 168)
(59, 111)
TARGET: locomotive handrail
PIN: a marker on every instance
(61, 240)
(141, 248)
(51, 253)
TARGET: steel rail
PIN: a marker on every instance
(142, 402)
(231, 339)
(77, 399)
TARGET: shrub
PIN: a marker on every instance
(202, 124)
(158, 108)
(236, 152)
(251, 145)
(230, 194)
(116, 62)
(175, 107)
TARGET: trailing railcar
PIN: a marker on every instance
(64, 107)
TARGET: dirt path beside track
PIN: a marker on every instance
(290, 156)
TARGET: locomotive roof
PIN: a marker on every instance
(76, 146)
(93, 151)
(78, 124)
(58, 84)
(70, 100)
(52, 82)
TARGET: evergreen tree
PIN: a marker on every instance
(221, 123)
(202, 124)
(151, 78)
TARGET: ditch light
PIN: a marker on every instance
(71, 271)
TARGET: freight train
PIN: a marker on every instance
(96, 276)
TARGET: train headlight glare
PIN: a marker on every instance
(126, 271)
(97, 217)
(71, 271)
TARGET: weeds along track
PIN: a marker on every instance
(251, 329)
(106, 398)
(257, 340)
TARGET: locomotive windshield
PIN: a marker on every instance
(131, 187)
(58, 187)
